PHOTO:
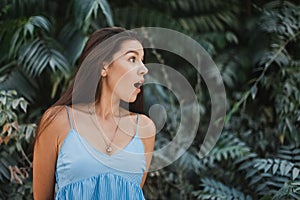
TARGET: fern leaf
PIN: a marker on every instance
(189, 161)
(283, 167)
(290, 153)
(228, 146)
(288, 191)
(213, 189)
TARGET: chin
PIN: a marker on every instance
(132, 100)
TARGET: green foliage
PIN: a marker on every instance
(15, 138)
(35, 56)
(255, 45)
(40, 44)
(256, 160)
(228, 147)
(216, 190)
(43, 47)
(87, 10)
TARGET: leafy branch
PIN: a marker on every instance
(280, 50)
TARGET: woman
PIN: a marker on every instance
(88, 145)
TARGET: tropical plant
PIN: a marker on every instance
(41, 45)
(270, 169)
(255, 44)
(15, 141)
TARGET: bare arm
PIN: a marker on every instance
(45, 156)
(148, 132)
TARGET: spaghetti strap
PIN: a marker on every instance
(69, 117)
(104, 176)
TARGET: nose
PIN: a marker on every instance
(143, 70)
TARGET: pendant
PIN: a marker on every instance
(108, 149)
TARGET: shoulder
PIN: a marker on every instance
(146, 126)
(54, 115)
(53, 128)
(146, 123)
(53, 121)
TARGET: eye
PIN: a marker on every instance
(132, 59)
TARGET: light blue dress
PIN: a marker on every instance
(84, 173)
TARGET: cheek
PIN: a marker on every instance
(125, 83)
(122, 84)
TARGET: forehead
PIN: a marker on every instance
(130, 45)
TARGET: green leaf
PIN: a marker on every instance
(85, 9)
(39, 54)
(275, 167)
(253, 91)
(3, 100)
(282, 167)
(295, 173)
(106, 11)
(4, 169)
(15, 103)
(41, 22)
(23, 105)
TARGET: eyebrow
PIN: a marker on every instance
(133, 51)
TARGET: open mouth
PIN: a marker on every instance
(138, 84)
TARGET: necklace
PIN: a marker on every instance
(108, 147)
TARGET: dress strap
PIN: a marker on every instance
(69, 117)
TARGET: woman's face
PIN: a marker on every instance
(125, 74)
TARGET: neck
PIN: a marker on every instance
(108, 105)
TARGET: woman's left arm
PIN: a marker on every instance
(147, 132)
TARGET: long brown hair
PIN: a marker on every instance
(86, 85)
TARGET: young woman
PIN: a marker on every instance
(88, 144)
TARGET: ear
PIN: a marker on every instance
(104, 70)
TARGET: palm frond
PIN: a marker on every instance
(73, 41)
(37, 55)
(27, 31)
(204, 16)
(129, 18)
(86, 10)
(207, 23)
(193, 6)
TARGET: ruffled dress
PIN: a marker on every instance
(84, 173)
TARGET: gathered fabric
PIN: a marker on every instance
(106, 186)
(83, 172)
